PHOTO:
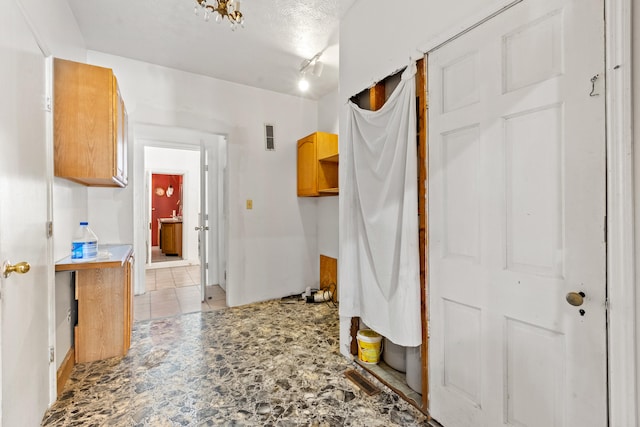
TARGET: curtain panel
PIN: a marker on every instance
(379, 272)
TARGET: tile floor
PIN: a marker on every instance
(275, 363)
(175, 290)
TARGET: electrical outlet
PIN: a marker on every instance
(69, 316)
(249, 204)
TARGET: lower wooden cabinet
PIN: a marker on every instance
(104, 291)
(171, 238)
(105, 312)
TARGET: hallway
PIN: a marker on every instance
(275, 363)
(175, 290)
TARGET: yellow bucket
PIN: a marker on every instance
(369, 346)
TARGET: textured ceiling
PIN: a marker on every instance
(267, 53)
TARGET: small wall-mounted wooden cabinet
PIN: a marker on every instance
(318, 165)
(90, 125)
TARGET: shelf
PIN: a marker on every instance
(331, 159)
(329, 191)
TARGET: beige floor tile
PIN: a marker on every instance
(144, 298)
(195, 296)
(163, 295)
(189, 300)
(191, 308)
(142, 312)
(176, 271)
(219, 299)
(217, 304)
(164, 276)
(175, 290)
(165, 285)
(191, 288)
(164, 309)
(183, 283)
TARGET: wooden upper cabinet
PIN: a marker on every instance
(318, 165)
(90, 125)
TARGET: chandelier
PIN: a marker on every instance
(221, 9)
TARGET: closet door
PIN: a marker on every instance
(517, 209)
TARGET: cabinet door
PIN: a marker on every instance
(121, 140)
(307, 167)
(89, 126)
(128, 304)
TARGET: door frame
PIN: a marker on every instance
(149, 212)
(621, 254)
(153, 135)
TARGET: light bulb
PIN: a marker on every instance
(218, 18)
(207, 15)
(303, 84)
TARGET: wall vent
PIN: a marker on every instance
(269, 139)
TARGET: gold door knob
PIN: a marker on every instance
(575, 298)
(20, 268)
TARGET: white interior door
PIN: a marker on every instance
(24, 303)
(208, 227)
(222, 214)
(517, 214)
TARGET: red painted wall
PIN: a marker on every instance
(163, 206)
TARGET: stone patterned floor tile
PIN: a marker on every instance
(266, 364)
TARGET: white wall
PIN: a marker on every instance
(186, 163)
(55, 28)
(328, 121)
(273, 247)
(367, 57)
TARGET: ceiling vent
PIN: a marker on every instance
(269, 139)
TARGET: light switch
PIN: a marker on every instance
(249, 204)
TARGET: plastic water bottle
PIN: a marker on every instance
(84, 246)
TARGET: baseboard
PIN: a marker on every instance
(64, 371)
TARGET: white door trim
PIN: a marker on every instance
(623, 353)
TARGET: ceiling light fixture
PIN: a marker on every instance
(221, 9)
(312, 64)
(303, 84)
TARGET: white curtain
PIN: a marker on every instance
(379, 271)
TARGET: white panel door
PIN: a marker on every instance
(24, 303)
(517, 214)
(208, 227)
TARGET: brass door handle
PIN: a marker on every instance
(575, 298)
(20, 268)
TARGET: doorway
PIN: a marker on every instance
(166, 217)
(178, 278)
